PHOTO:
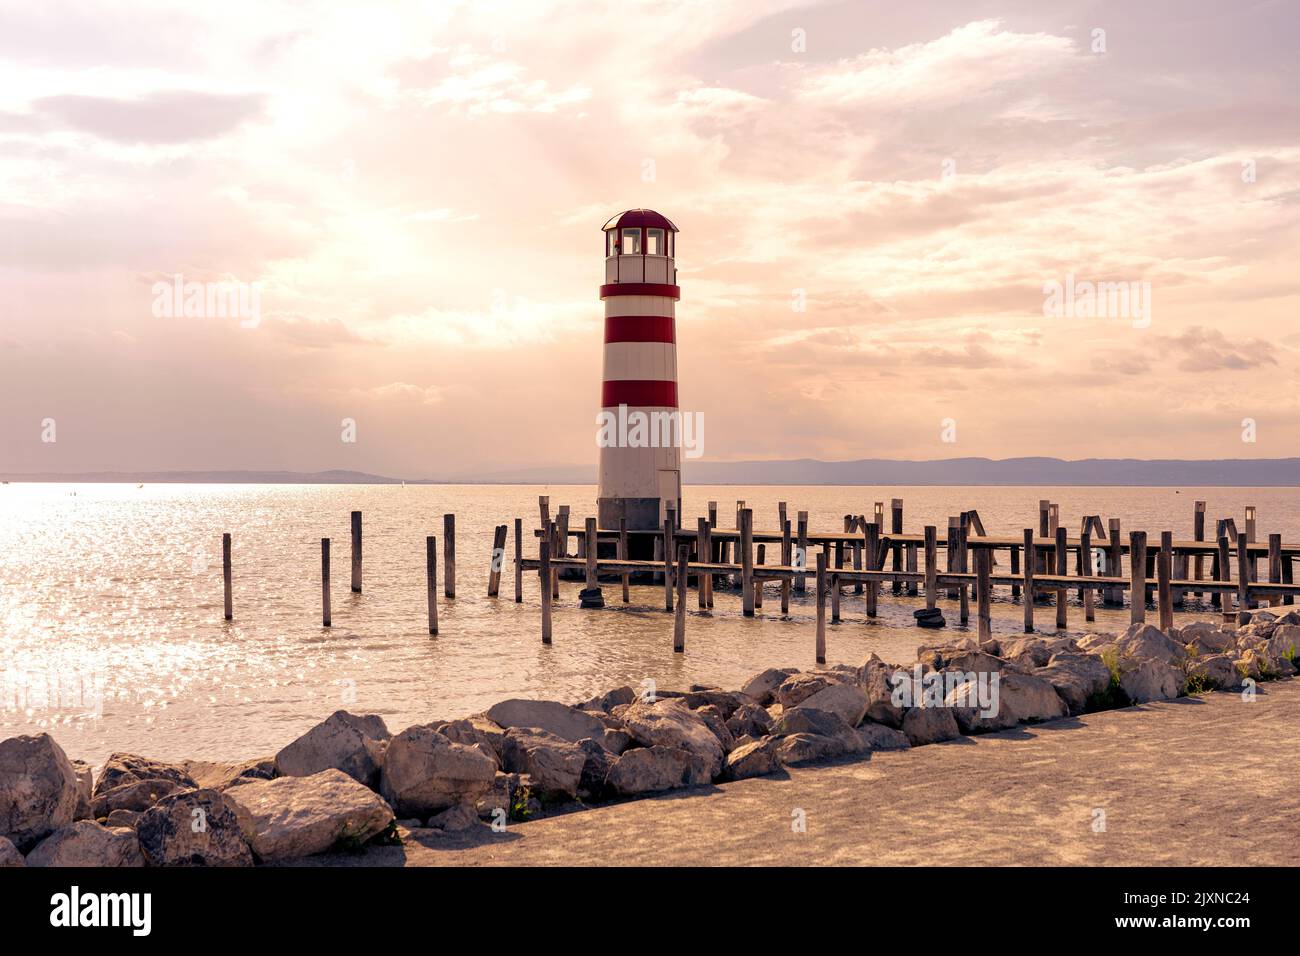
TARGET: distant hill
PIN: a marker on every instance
(1239, 472)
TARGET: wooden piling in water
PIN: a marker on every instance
(821, 608)
(1275, 565)
(787, 555)
(1244, 603)
(1015, 570)
(679, 622)
(1164, 595)
(702, 549)
(356, 552)
(622, 553)
(983, 592)
(835, 582)
(1031, 567)
(1085, 558)
(746, 525)
(963, 565)
(896, 528)
(325, 581)
(873, 564)
(950, 552)
(668, 557)
(931, 566)
(590, 538)
(1198, 534)
(801, 582)
(228, 598)
(498, 559)
(544, 577)
(449, 555)
(1223, 572)
(1062, 594)
(519, 560)
(1114, 597)
(758, 580)
(431, 580)
(1137, 555)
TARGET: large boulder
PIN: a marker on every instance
(713, 717)
(425, 773)
(801, 748)
(757, 758)
(554, 764)
(655, 768)
(1077, 678)
(1142, 642)
(1207, 637)
(487, 735)
(726, 701)
(930, 725)
(1021, 698)
(797, 688)
(750, 720)
(352, 743)
(595, 770)
(1031, 652)
(132, 782)
(551, 716)
(844, 700)
(874, 679)
(1215, 672)
(609, 700)
(291, 817)
(193, 828)
(762, 686)
(86, 843)
(1284, 645)
(9, 855)
(85, 788)
(820, 723)
(218, 774)
(672, 724)
(38, 789)
(879, 737)
(1151, 680)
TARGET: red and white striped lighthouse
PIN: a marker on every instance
(639, 481)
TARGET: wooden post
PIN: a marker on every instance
(1137, 559)
(1031, 565)
(1288, 577)
(225, 577)
(702, 549)
(963, 565)
(873, 564)
(623, 553)
(747, 561)
(431, 580)
(787, 555)
(911, 567)
(931, 566)
(544, 506)
(1062, 566)
(857, 557)
(668, 565)
(708, 556)
(801, 582)
(896, 528)
(1198, 534)
(544, 577)
(679, 622)
(758, 582)
(449, 555)
(560, 543)
(821, 607)
(497, 560)
(1275, 565)
(950, 549)
(356, 552)
(835, 582)
(1114, 596)
(780, 514)
(1244, 603)
(1085, 556)
(519, 560)
(1223, 572)
(983, 598)
(325, 581)
(1164, 594)
(1015, 569)
(590, 552)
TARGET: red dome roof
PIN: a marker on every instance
(639, 218)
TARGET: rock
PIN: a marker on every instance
(844, 700)
(411, 823)
(479, 732)
(218, 775)
(656, 768)
(763, 685)
(1251, 664)
(38, 789)
(1021, 698)
(616, 741)
(1095, 643)
(554, 764)
(1031, 652)
(124, 818)
(1151, 680)
(757, 758)
(873, 678)
(85, 787)
(929, 725)
(1142, 642)
(1290, 617)
(1206, 637)
(291, 817)
(136, 796)
(609, 700)
(712, 716)
(803, 748)
(750, 720)
(9, 855)
(349, 742)
(671, 724)
(193, 828)
(124, 768)
(880, 737)
(551, 716)
(797, 688)
(968, 662)
(455, 819)
(1284, 644)
(595, 769)
(86, 843)
(726, 701)
(1216, 672)
(425, 773)
(1077, 679)
(510, 793)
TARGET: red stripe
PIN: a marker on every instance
(640, 288)
(641, 392)
(639, 328)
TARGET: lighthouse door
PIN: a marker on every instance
(670, 492)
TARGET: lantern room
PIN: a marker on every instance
(639, 247)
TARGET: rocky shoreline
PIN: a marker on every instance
(349, 782)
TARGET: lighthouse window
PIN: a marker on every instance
(631, 242)
(654, 242)
(671, 244)
(611, 243)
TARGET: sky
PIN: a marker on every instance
(875, 200)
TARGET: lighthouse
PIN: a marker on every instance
(640, 474)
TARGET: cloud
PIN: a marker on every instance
(1208, 350)
(165, 116)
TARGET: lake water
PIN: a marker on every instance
(112, 638)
